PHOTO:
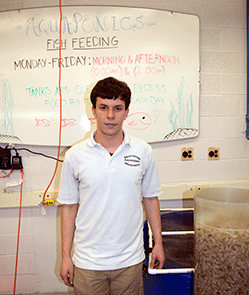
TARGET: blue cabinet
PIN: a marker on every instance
(177, 275)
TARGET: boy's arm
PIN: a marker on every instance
(152, 209)
(68, 215)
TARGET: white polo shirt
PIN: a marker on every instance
(109, 223)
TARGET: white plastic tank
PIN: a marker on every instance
(222, 241)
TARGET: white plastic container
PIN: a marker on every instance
(222, 241)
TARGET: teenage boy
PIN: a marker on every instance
(102, 182)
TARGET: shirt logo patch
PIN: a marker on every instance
(132, 160)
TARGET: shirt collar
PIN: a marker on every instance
(92, 142)
(127, 138)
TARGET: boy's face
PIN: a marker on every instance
(110, 115)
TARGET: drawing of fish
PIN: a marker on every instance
(42, 122)
(138, 121)
(68, 122)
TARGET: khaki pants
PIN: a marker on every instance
(125, 281)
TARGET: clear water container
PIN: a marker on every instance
(222, 241)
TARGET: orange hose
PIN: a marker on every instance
(59, 144)
(18, 234)
(11, 171)
(58, 155)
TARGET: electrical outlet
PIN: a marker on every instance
(213, 153)
(187, 154)
(5, 158)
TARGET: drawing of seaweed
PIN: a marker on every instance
(189, 112)
(180, 103)
(173, 117)
(181, 118)
(7, 103)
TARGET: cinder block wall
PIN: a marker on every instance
(222, 124)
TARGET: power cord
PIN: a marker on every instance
(32, 152)
(40, 154)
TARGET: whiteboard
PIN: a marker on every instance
(155, 52)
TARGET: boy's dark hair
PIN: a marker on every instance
(111, 88)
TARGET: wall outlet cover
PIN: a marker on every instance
(213, 153)
(187, 154)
